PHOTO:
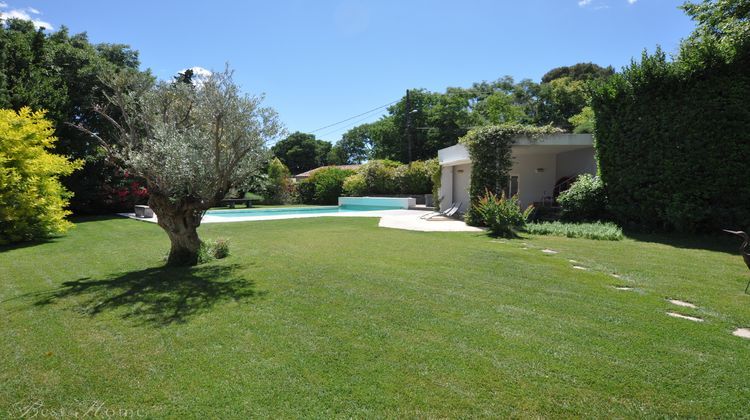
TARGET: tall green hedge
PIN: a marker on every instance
(673, 143)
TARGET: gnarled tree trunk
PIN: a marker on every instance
(180, 220)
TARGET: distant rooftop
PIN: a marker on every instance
(307, 174)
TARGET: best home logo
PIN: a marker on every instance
(95, 409)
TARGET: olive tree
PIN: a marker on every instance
(191, 142)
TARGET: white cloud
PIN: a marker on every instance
(632, 1)
(23, 14)
(584, 3)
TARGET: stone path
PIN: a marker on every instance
(688, 317)
(739, 332)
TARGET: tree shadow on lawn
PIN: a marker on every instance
(726, 243)
(20, 245)
(157, 296)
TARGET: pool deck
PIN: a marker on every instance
(392, 219)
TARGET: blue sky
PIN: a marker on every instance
(319, 62)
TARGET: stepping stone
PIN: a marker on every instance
(623, 288)
(681, 316)
(681, 303)
(549, 251)
(742, 332)
(617, 276)
(573, 261)
(578, 267)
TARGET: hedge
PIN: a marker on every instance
(673, 143)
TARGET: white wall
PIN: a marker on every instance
(461, 185)
(533, 185)
(446, 187)
(576, 162)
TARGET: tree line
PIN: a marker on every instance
(437, 120)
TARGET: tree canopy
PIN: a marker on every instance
(301, 152)
(62, 73)
(437, 120)
(191, 143)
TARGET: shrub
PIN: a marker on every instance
(32, 199)
(324, 186)
(416, 178)
(380, 176)
(585, 200)
(500, 214)
(355, 185)
(278, 185)
(213, 250)
(598, 230)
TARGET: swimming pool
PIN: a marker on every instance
(287, 211)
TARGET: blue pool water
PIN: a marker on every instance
(293, 210)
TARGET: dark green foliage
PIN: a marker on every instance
(672, 137)
(580, 71)
(585, 200)
(301, 152)
(324, 186)
(673, 143)
(62, 73)
(491, 156)
(502, 216)
(306, 191)
(354, 146)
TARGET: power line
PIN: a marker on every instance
(336, 130)
(351, 118)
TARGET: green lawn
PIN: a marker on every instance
(334, 317)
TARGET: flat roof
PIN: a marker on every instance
(554, 143)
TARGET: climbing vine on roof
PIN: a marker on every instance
(491, 158)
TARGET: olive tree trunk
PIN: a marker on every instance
(180, 220)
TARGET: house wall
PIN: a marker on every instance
(446, 187)
(461, 185)
(533, 185)
(576, 162)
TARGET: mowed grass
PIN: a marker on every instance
(335, 317)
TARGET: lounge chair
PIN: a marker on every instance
(449, 212)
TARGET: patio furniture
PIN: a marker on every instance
(449, 212)
(231, 202)
(143, 212)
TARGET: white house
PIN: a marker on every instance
(541, 168)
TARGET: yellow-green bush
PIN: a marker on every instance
(32, 200)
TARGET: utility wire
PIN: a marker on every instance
(351, 118)
(352, 124)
